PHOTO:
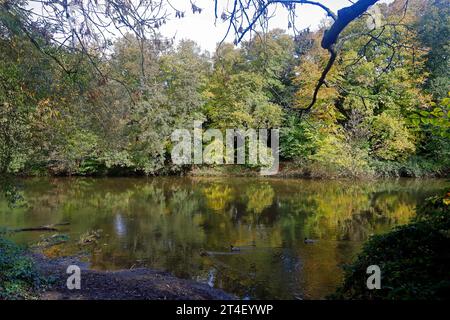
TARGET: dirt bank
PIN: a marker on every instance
(136, 284)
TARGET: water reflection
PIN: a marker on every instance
(167, 223)
(119, 225)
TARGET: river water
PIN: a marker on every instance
(186, 225)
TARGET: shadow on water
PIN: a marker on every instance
(186, 226)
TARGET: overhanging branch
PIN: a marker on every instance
(342, 19)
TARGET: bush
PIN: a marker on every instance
(19, 278)
(415, 166)
(413, 259)
(391, 140)
(336, 158)
(298, 140)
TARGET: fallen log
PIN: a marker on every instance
(49, 227)
(42, 228)
(59, 224)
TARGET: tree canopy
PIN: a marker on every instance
(381, 110)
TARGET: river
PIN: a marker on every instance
(186, 225)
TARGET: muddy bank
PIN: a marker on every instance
(135, 284)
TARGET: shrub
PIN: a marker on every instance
(337, 158)
(413, 259)
(298, 139)
(391, 140)
(19, 278)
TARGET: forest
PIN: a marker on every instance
(383, 110)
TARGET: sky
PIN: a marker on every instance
(207, 32)
(202, 29)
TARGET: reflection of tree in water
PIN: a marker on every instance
(258, 197)
(11, 191)
(243, 203)
(167, 229)
(385, 210)
(164, 223)
(347, 213)
(143, 223)
(218, 196)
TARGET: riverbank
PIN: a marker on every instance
(133, 284)
(308, 170)
(32, 275)
(286, 169)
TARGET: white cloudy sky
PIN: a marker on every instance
(201, 28)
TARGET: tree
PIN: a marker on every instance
(245, 15)
(166, 87)
(85, 26)
(238, 93)
(27, 86)
(373, 102)
(434, 27)
(114, 112)
(273, 55)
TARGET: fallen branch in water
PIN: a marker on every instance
(49, 227)
(42, 228)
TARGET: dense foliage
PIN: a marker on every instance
(384, 109)
(413, 259)
(18, 278)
